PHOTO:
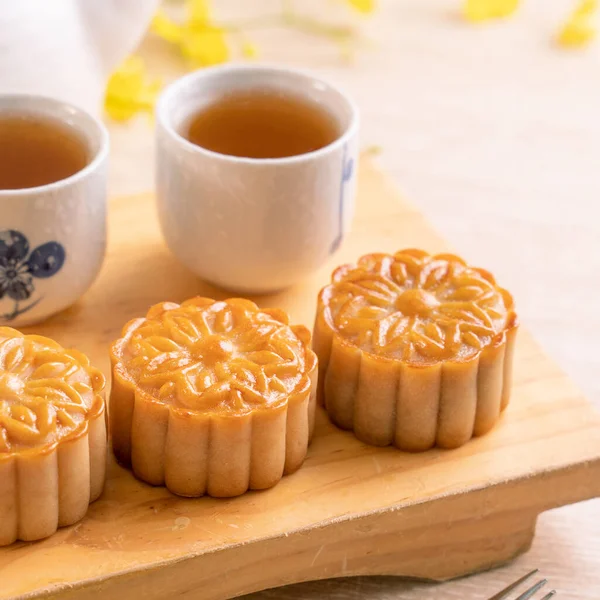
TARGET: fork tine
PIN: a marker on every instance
(549, 595)
(507, 590)
(532, 590)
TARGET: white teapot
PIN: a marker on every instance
(67, 49)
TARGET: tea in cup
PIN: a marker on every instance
(256, 174)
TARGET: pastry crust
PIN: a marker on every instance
(52, 436)
(212, 397)
(414, 350)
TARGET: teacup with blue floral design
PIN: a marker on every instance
(52, 237)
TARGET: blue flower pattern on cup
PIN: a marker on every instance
(19, 267)
(347, 170)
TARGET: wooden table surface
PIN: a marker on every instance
(494, 134)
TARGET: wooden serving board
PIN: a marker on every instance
(352, 509)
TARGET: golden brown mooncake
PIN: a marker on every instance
(212, 397)
(52, 436)
(414, 350)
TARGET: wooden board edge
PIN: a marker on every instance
(518, 501)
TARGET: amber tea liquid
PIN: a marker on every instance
(262, 124)
(36, 151)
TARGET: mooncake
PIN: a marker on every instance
(52, 436)
(414, 350)
(212, 397)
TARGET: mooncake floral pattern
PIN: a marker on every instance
(46, 392)
(18, 268)
(228, 356)
(416, 307)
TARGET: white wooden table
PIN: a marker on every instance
(494, 134)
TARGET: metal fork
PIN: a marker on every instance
(503, 595)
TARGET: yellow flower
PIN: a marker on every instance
(165, 28)
(127, 92)
(363, 6)
(249, 50)
(484, 10)
(205, 46)
(198, 12)
(579, 30)
(199, 40)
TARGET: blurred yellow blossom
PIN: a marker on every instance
(200, 41)
(199, 12)
(363, 6)
(249, 50)
(165, 28)
(205, 47)
(579, 30)
(128, 92)
(484, 10)
(203, 42)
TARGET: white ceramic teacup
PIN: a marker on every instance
(246, 224)
(52, 237)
